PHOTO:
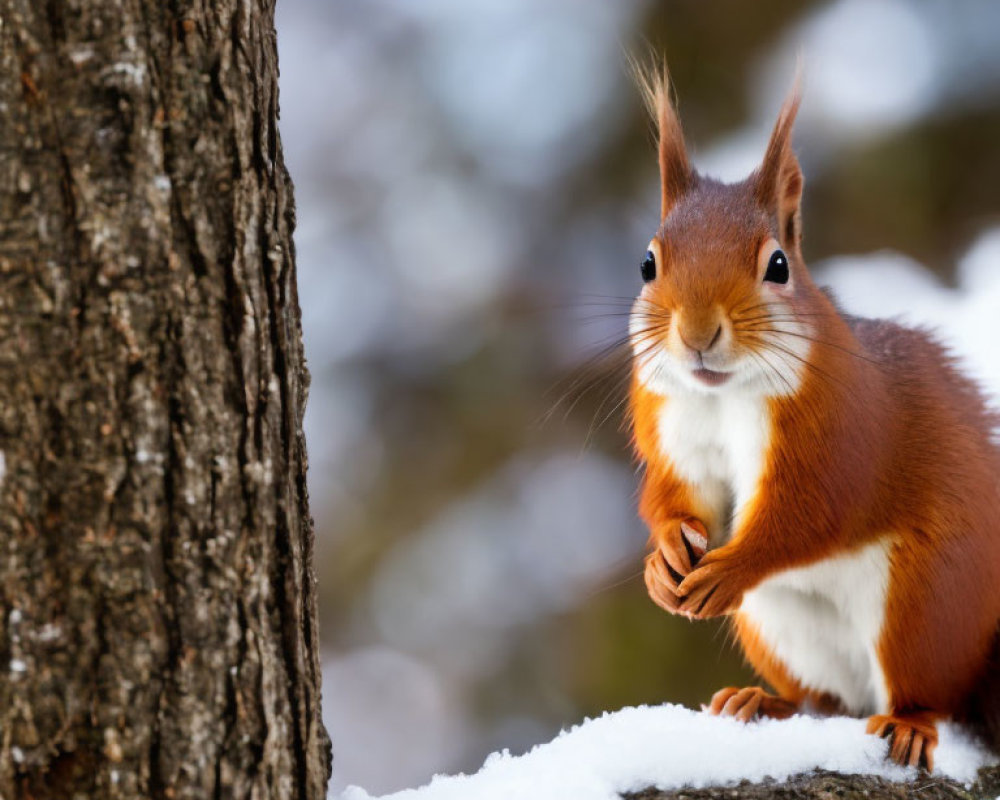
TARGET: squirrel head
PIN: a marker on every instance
(727, 297)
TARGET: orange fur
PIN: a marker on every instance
(881, 437)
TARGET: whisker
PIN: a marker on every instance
(774, 372)
(594, 318)
(596, 427)
(598, 421)
(614, 585)
(580, 387)
(816, 369)
(609, 364)
(608, 370)
(832, 345)
(598, 296)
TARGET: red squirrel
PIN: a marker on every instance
(831, 483)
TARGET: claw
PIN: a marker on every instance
(697, 540)
(676, 549)
(720, 698)
(746, 704)
(912, 737)
(660, 584)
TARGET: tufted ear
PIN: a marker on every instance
(676, 175)
(778, 182)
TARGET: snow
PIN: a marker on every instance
(672, 747)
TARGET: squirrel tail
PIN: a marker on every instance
(983, 712)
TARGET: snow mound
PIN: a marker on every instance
(672, 747)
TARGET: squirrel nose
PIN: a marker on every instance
(700, 339)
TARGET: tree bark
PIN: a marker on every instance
(158, 632)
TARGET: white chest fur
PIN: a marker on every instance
(717, 443)
(823, 621)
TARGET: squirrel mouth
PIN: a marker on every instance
(711, 377)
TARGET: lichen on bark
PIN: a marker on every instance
(157, 608)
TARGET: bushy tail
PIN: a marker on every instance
(983, 712)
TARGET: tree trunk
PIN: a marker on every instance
(157, 604)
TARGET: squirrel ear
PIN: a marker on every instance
(779, 181)
(676, 175)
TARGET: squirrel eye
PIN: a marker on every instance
(777, 268)
(648, 266)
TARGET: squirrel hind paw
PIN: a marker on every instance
(746, 704)
(912, 737)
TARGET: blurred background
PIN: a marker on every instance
(476, 184)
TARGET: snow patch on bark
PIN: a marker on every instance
(670, 747)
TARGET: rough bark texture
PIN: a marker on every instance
(157, 607)
(831, 785)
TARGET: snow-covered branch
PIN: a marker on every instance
(672, 752)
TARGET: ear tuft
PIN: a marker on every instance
(779, 180)
(676, 175)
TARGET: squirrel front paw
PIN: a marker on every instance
(713, 589)
(677, 549)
